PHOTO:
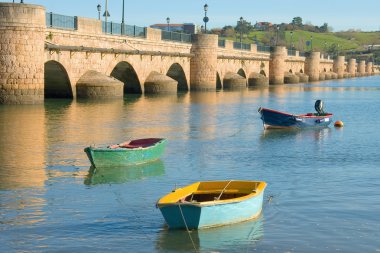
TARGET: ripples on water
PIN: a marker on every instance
(322, 193)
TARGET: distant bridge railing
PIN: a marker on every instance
(263, 48)
(242, 46)
(221, 43)
(291, 52)
(61, 21)
(123, 29)
(180, 37)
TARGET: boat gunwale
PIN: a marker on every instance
(259, 190)
(105, 149)
(328, 115)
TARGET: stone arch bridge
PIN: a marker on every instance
(38, 61)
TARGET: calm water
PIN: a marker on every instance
(323, 185)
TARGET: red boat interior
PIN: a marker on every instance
(139, 143)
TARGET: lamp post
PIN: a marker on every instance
(99, 7)
(338, 50)
(278, 28)
(168, 21)
(205, 19)
(311, 43)
(241, 29)
(122, 20)
(291, 40)
(106, 15)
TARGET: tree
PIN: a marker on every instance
(297, 21)
(228, 31)
(324, 28)
(243, 27)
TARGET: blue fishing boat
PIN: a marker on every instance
(273, 119)
(212, 203)
(126, 153)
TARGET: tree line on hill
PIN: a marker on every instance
(244, 27)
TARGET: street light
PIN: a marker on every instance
(122, 20)
(291, 40)
(106, 15)
(168, 21)
(205, 19)
(311, 43)
(278, 28)
(241, 29)
(99, 7)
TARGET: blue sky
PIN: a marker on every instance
(339, 14)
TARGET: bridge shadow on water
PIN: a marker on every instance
(231, 238)
(123, 174)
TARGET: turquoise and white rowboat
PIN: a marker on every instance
(212, 203)
(127, 153)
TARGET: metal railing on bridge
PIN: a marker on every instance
(123, 29)
(61, 21)
(180, 37)
(263, 48)
(242, 46)
(221, 43)
(291, 52)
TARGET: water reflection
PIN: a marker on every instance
(241, 237)
(22, 146)
(317, 134)
(122, 174)
(22, 207)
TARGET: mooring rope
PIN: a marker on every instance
(187, 229)
(224, 190)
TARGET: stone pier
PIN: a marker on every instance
(204, 63)
(312, 66)
(277, 65)
(361, 68)
(338, 66)
(352, 67)
(22, 29)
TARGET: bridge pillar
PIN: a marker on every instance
(361, 68)
(204, 63)
(338, 66)
(369, 68)
(277, 65)
(352, 67)
(312, 66)
(22, 29)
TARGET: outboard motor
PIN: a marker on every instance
(319, 107)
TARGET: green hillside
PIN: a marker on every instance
(341, 41)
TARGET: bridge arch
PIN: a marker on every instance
(242, 73)
(218, 82)
(262, 72)
(176, 72)
(125, 72)
(57, 82)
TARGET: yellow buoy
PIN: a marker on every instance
(338, 123)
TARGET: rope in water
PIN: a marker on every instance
(187, 229)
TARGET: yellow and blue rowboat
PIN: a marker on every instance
(212, 203)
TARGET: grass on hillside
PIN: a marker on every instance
(320, 41)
